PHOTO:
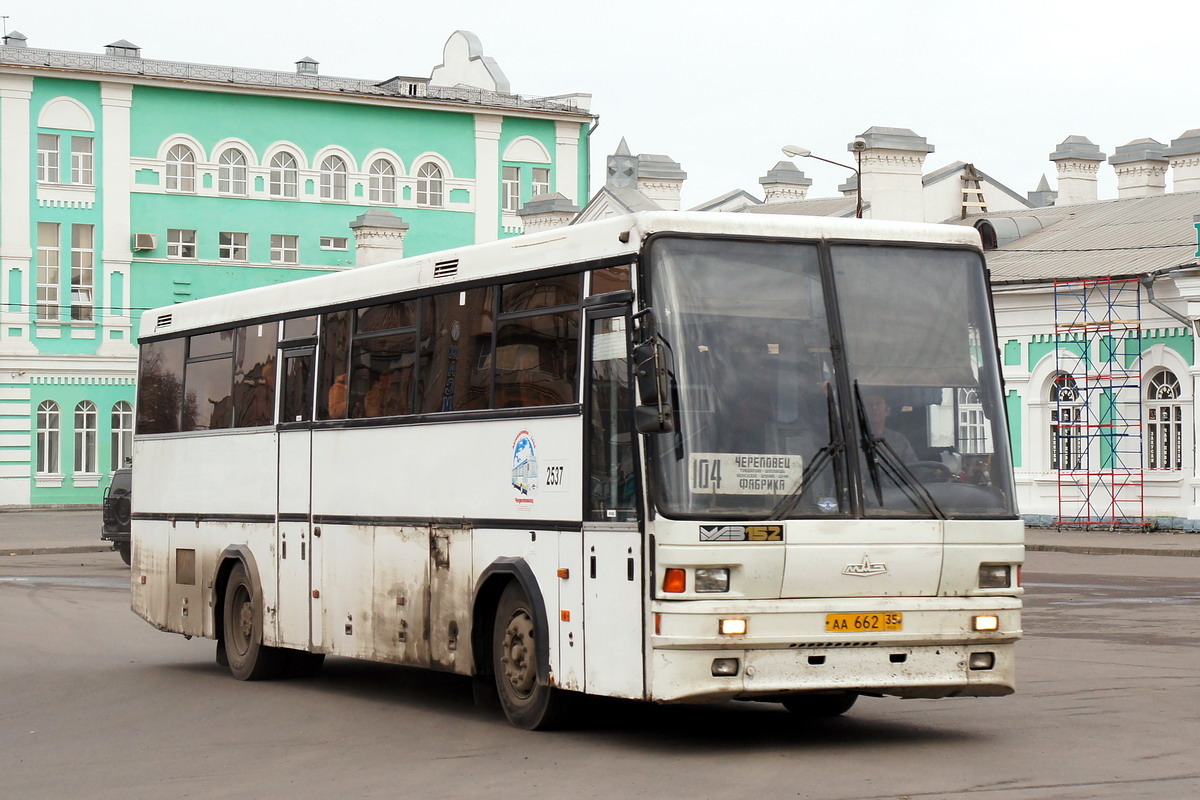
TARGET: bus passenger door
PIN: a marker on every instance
(612, 541)
(294, 547)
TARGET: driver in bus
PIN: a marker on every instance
(877, 409)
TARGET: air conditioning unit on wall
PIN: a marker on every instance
(144, 241)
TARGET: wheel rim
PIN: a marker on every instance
(242, 627)
(517, 655)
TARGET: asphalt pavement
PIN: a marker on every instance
(26, 532)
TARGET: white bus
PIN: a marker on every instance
(673, 457)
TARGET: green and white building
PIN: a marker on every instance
(129, 183)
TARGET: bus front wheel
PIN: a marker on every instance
(249, 659)
(820, 705)
(527, 703)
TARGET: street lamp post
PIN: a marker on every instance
(860, 144)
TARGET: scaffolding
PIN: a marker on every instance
(1096, 413)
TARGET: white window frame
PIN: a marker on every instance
(335, 243)
(86, 425)
(382, 182)
(541, 180)
(121, 441)
(430, 186)
(334, 178)
(1164, 425)
(1064, 395)
(181, 243)
(284, 176)
(232, 174)
(49, 446)
(285, 248)
(180, 169)
(510, 182)
(49, 271)
(48, 158)
(83, 272)
(233, 246)
(974, 429)
(83, 164)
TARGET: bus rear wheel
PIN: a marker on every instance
(249, 659)
(820, 705)
(528, 703)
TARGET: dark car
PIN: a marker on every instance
(117, 509)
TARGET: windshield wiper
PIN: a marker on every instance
(891, 464)
(827, 454)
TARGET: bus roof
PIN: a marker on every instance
(573, 244)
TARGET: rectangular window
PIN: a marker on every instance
(85, 437)
(160, 386)
(537, 359)
(83, 270)
(285, 248)
(333, 242)
(512, 188)
(541, 181)
(297, 387)
(47, 158)
(49, 260)
(181, 243)
(334, 366)
(459, 372)
(254, 376)
(233, 246)
(208, 382)
(82, 167)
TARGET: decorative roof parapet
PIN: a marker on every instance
(13, 55)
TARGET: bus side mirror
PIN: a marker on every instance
(651, 373)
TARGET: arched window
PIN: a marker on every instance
(181, 169)
(48, 426)
(1067, 429)
(429, 185)
(383, 182)
(283, 175)
(85, 437)
(333, 178)
(231, 172)
(974, 432)
(1164, 422)
(122, 434)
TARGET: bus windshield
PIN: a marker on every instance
(773, 421)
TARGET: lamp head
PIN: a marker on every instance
(795, 151)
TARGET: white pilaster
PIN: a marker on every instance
(487, 177)
(116, 99)
(16, 250)
(566, 160)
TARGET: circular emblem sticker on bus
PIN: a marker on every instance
(524, 469)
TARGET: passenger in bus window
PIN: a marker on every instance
(337, 397)
(877, 409)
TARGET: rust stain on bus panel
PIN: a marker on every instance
(450, 587)
(401, 576)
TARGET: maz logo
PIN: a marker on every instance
(865, 567)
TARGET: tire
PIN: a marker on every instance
(249, 659)
(815, 706)
(123, 549)
(528, 703)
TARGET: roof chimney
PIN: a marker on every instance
(1077, 161)
(124, 48)
(15, 39)
(1184, 155)
(378, 237)
(307, 66)
(784, 182)
(660, 178)
(1141, 168)
(892, 160)
(547, 211)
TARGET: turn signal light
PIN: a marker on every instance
(675, 581)
(987, 622)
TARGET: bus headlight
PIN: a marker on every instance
(995, 576)
(712, 579)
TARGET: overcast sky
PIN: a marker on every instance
(722, 86)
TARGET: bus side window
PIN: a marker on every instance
(296, 388)
(160, 386)
(254, 375)
(332, 389)
(455, 352)
(612, 495)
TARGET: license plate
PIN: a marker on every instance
(874, 621)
